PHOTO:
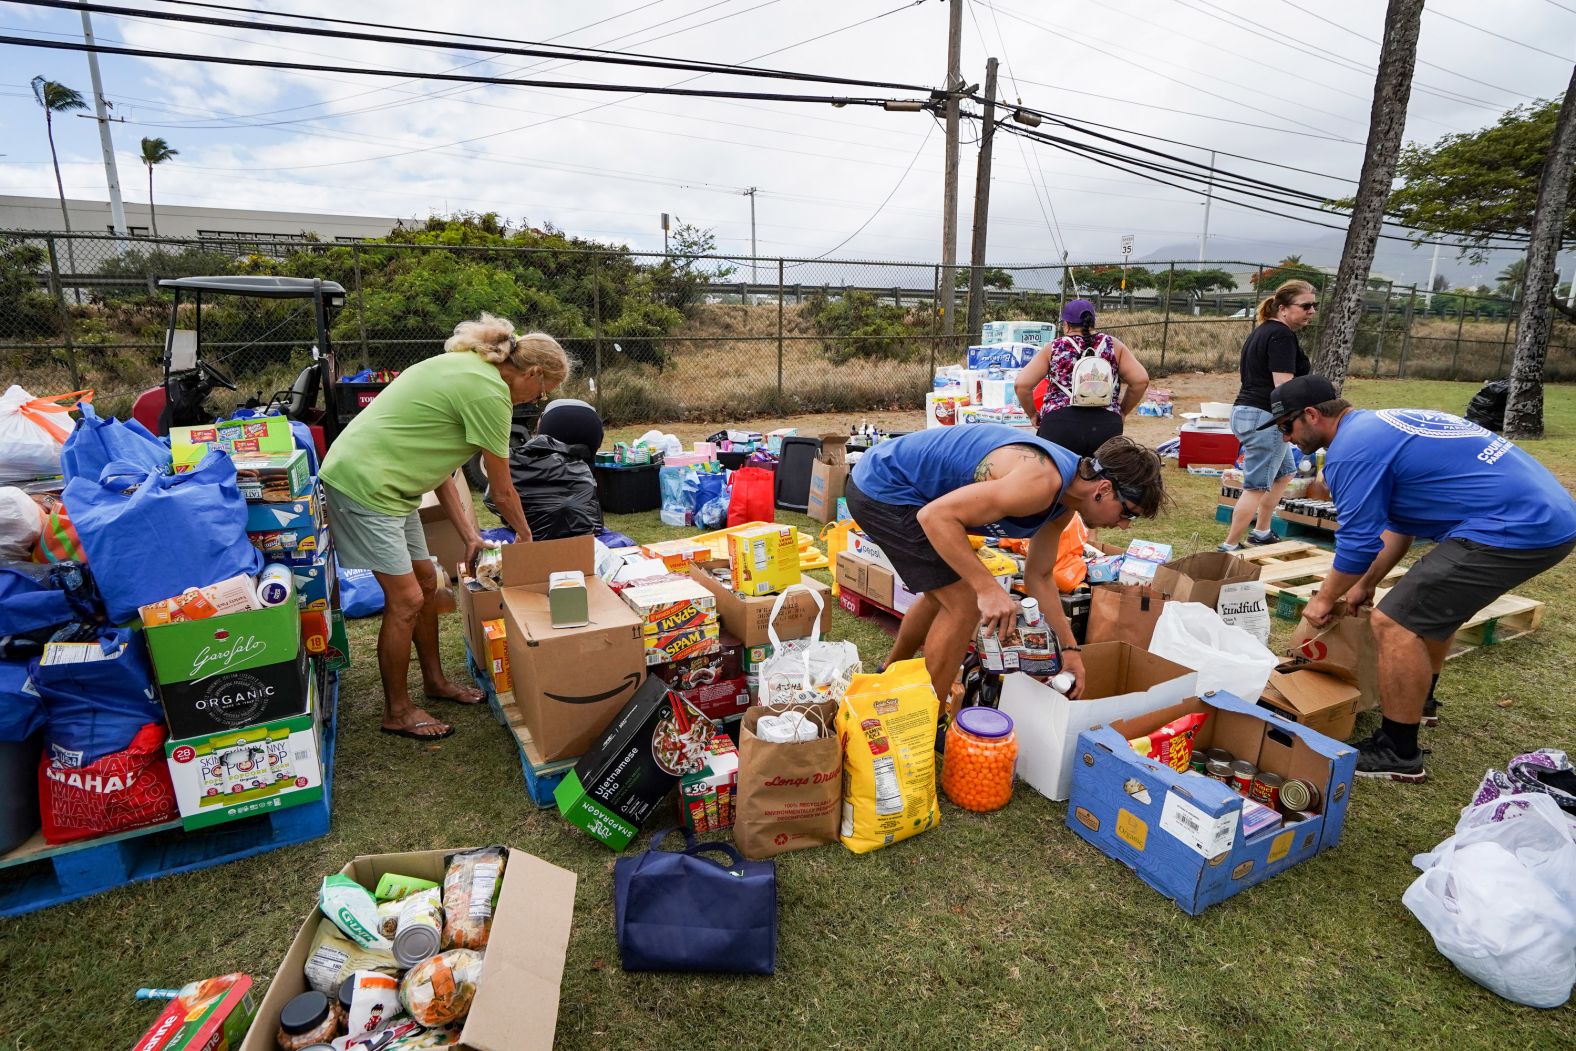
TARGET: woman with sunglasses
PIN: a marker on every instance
(407, 443)
(1270, 357)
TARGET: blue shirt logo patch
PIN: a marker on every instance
(1426, 423)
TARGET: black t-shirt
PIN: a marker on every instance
(1270, 348)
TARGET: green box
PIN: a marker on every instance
(576, 806)
(273, 478)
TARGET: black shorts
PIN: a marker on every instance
(1080, 429)
(1459, 577)
(896, 531)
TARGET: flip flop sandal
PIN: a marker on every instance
(410, 731)
(481, 698)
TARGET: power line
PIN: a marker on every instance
(885, 201)
(1499, 36)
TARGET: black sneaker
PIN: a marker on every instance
(1430, 713)
(1257, 538)
(1376, 758)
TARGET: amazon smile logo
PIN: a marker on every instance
(629, 682)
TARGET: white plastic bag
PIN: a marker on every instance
(21, 520)
(1499, 899)
(807, 670)
(1226, 658)
(32, 430)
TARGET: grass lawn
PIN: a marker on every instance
(993, 930)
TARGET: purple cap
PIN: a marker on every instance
(984, 722)
(1073, 312)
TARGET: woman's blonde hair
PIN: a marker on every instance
(1282, 297)
(493, 340)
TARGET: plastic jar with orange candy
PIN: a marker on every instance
(977, 765)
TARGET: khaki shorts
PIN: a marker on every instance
(368, 539)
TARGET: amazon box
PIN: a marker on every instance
(569, 683)
(516, 1005)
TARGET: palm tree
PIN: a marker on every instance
(57, 98)
(155, 151)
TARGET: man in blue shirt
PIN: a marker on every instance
(921, 495)
(1498, 516)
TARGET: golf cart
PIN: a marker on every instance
(189, 377)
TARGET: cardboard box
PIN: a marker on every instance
(862, 577)
(443, 539)
(706, 797)
(632, 767)
(686, 673)
(317, 582)
(265, 434)
(763, 559)
(1319, 695)
(222, 673)
(569, 683)
(723, 699)
(323, 635)
(516, 1005)
(304, 516)
(1181, 832)
(745, 616)
(273, 478)
(694, 641)
(1121, 680)
(671, 604)
(227, 776)
(496, 655)
(214, 1017)
(1198, 578)
(676, 554)
(828, 478)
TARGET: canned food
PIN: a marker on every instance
(1266, 789)
(1300, 815)
(1298, 794)
(1196, 761)
(1218, 753)
(1219, 769)
(1242, 775)
(420, 928)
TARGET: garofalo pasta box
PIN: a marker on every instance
(656, 739)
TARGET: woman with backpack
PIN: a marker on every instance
(1092, 381)
(1270, 356)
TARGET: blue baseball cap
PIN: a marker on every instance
(1073, 313)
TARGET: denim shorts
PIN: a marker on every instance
(1266, 456)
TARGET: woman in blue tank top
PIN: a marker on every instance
(919, 497)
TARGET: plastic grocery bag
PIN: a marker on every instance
(753, 497)
(98, 691)
(1226, 658)
(32, 431)
(1499, 899)
(127, 789)
(98, 442)
(150, 535)
(21, 520)
(887, 723)
(711, 501)
(803, 671)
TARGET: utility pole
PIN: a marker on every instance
(1203, 238)
(949, 188)
(117, 210)
(664, 233)
(982, 204)
(1433, 268)
(754, 274)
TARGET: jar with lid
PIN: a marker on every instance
(306, 1020)
(977, 766)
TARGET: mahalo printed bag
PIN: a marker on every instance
(127, 789)
(753, 497)
(1124, 613)
(689, 912)
(196, 520)
(789, 792)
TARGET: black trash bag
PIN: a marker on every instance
(1487, 407)
(556, 487)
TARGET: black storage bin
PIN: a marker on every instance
(733, 460)
(19, 791)
(795, 463)
(350, 398)
(1076, 607)
(625, 490)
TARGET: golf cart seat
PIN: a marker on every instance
(302, 395)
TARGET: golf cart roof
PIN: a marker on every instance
(256, 285)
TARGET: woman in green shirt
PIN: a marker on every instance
(406, 444)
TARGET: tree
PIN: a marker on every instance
(155, 151)
(677, 281)
(1441, 282)
(1512, 277)
(1106, 280)
(992, 277)
(1288, 269)
(1550, 217)
(1343, 302)
(57, 98)
(1197, 283)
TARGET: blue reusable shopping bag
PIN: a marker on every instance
(149, 536)
(94, 708)
(21, 709)
(41, 597)
(359, 593)
(687, 912)
(97, 442)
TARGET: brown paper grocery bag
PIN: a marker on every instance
(789, 794)
(1346, 641)
(1123, 613)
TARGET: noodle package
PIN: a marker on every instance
(887, 723)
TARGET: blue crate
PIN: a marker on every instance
(33, 878)
(1181, 833)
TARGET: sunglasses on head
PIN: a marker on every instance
(1125, 494)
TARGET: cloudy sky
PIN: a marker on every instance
(1275, 82)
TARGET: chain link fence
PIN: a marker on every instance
(658, 337)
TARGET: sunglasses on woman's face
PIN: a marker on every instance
(1310, 306)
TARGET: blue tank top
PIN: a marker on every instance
(915, 469)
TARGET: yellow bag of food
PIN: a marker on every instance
(887, 723)
(835, 536)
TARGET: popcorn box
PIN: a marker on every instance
(763, 559)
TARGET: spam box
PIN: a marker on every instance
(267, 766)
(1182, 833)
(763, 559)
(210, 1015)
(628, 771)
(516, 1004)
(671, 604)
(694, 641)
(706, 797)
(274, 478)
(264, 434)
